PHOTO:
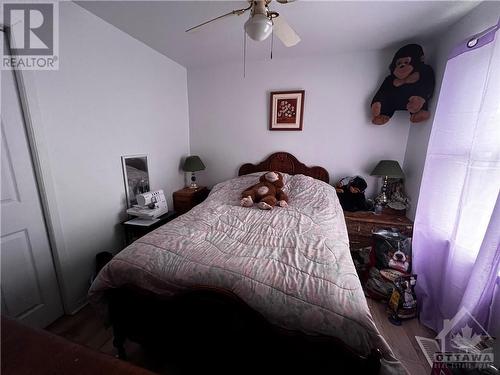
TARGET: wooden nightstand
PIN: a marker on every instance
(361, 224)
(187, 198)
(134, 232)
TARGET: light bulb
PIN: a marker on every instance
(258, 27)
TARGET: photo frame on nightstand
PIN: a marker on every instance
(135, 176)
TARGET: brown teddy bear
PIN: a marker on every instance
(267, 193)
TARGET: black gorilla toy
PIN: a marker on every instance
(409, 87)
(351, 193)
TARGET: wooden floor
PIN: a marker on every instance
(87, 329)
(401, 339)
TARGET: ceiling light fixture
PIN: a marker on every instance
(259, 27)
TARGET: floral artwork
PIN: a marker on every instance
(287, 109)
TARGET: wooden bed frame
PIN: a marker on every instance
(207, 326)
(286, 163)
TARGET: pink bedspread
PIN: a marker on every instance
(291, 264)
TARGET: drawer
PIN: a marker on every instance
(352, 226)
(366, 229)
(187, 198)
(182, 199)
(198, 198)
(182, 206)
(358, 242)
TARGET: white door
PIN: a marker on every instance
(29, 287)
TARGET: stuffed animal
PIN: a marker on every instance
(267, 193)
(351, 193)
(409, 87)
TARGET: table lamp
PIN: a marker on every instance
(387, 169)
(193, 164)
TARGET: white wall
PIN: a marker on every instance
(229, 115)
(112, 96)
(479, 19)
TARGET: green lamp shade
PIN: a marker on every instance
(389, 168)
(193, 163)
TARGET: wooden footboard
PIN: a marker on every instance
(208, 330)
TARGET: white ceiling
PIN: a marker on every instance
(325, 27)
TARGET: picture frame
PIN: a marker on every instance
(287, 110)
(135, 176)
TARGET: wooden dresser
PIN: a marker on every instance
(187, 198)
(361, 224)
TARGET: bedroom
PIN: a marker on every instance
(125, 79)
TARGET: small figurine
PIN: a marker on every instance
(351, 193)
(397, 196)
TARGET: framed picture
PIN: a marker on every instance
(287, 110)
(135, 176)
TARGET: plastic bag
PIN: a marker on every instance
(403, 301)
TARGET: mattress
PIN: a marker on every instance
(291, 264)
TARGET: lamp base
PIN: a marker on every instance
(382, 197)
(193, 184)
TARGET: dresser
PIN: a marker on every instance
(187, 198)
(361, 224)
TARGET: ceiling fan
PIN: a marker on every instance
(262, 22)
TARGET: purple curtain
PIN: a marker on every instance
(457, 225)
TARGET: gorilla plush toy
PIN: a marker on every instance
(351, 194)
(409, 87)
(267, 193)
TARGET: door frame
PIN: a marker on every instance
(41, 165)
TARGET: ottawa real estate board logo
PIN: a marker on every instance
(463, 343)
(32, 31)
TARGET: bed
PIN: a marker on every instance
(226, 286)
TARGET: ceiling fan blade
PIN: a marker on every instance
(285, 1)
(237, 12)
(284, 32)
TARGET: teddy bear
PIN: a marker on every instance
(267, 193)
(409, 87)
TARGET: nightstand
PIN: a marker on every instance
(187, 198)
(361, 224)
(135, 231)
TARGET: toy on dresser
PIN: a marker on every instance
(351, 193)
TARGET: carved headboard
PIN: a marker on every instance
(286, 163)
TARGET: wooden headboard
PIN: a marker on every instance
(286, 163)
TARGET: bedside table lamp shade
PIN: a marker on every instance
(387, 169)
(193, 164)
